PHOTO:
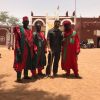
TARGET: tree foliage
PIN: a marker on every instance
(8, 20)
(4, 16)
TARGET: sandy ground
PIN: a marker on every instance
(87, 88)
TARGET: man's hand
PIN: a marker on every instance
(49, 49)
(35, 52)
(77, 53)
(19, 51)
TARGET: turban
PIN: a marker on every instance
(66, 23)
(25, 18)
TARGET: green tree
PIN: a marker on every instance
(4, 16)
(13, 20)
(8, 20)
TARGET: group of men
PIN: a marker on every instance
(31, 48)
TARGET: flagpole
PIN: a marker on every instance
(46, 25)
(75, 14)
(57, 15)
(75, 7)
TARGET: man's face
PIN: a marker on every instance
(57, 24)
(67, 27)
(26, 23)
(38, 27)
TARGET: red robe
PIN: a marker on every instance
(23, 43)
(40, 58)
(70, 49)
(45, 50)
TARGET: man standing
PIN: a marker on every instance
(54, 39)
(40, 58)
(70, 50)
(24, 49)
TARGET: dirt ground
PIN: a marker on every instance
(60, 88)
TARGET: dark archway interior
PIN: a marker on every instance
(98, 42)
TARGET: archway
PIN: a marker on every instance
(68, 20)
(4, 36)
(39, 20)
(98, 42)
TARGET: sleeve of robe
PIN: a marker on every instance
(77, 42)
(18, 53)
(48, 39)
(45, 45)
(45, 41)
(34, 44)
(17, 57)
(17, 38)
(29, 39)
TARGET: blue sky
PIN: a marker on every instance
(20, 8)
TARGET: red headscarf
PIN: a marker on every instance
(66, 22)
(25, 18)
(68, 32)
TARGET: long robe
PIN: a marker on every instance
(40, 41)
(24, 49)
(70, 49)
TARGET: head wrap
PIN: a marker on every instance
(66, 23)
(25, 18)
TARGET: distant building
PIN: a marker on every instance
(85, 27)
(6, 36)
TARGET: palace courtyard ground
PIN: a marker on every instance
(60, 88)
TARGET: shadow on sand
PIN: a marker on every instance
(21, 92)
(2, 76)
(68, 77)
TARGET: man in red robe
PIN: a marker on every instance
(70, 50)
(24, 49)
(40, 57)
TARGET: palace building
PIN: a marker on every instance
(6, 36)
(87, 28)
